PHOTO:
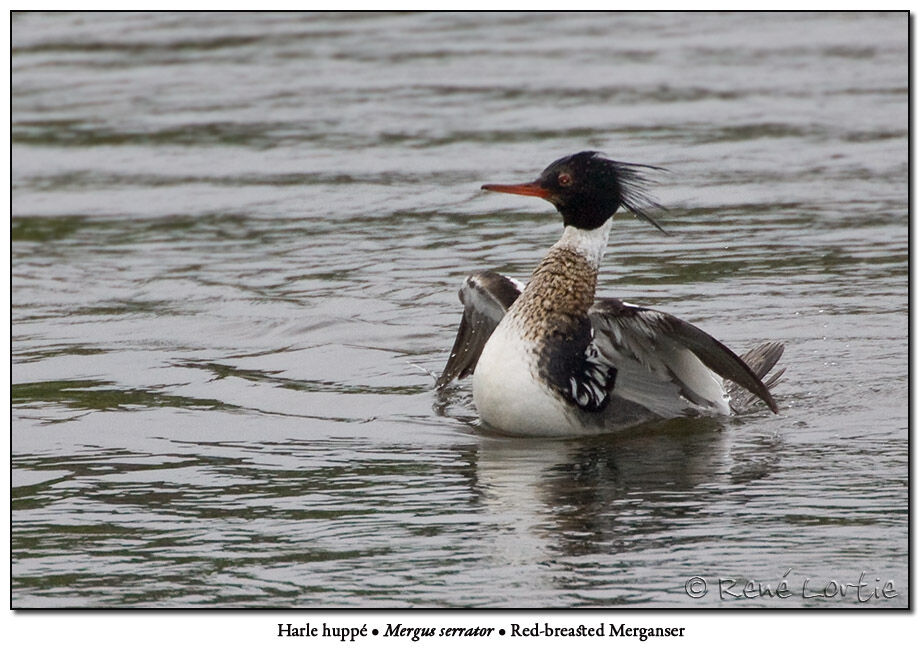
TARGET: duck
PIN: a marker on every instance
(551, 359)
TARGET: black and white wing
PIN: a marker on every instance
(670, 366)
(486, 297)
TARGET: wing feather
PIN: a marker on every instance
(662, 349)
(486, 297)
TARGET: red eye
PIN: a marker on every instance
(564, 179)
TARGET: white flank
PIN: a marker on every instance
(507, 394)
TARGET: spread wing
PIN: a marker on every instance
(486, 297)
(668, 365)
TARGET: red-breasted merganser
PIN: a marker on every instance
(551, 360)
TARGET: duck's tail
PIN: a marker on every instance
(761, 359)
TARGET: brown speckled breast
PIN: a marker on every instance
(558, 296)
(552, 313)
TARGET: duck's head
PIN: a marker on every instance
(588, 189)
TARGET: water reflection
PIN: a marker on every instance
(584, 495)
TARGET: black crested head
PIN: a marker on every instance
(588, 189)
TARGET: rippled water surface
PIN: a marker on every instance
(236, 245)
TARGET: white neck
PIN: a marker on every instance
(588, 243)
